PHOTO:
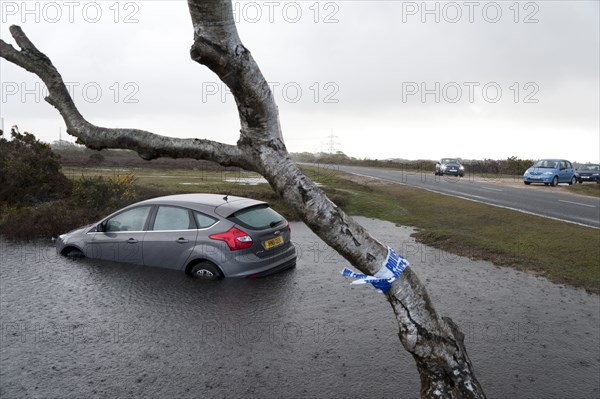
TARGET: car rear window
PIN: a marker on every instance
(257, 217)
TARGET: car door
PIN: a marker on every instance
(122, 236)
(170, 238)
(564, 174)
(569, 171)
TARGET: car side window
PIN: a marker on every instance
(563, 165)
(172, 218)
(569, 165)
(203, 221)
(130, 220)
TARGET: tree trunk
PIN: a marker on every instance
(436, 343)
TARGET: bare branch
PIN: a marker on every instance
(148, 145)
(218, 46)
(435, 342)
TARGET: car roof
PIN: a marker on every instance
(222, 205)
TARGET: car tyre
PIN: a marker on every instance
(554, 181)
(527, 183)
(573, 181)
(205, 270)
(73, 253)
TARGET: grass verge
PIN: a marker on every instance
(562, 252)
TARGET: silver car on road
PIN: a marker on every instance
(205, 235)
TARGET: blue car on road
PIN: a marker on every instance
(550, 172)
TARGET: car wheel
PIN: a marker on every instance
(73, 253)
(573, 181)
(527, 183)
(554, 181)
(205, 270)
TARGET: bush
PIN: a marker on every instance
(34, 194)
(46, 220)
(104, 194)
(92, 199)
(29, 171)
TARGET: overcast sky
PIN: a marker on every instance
(390, 79)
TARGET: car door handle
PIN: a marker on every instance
(132, 241)
(181, 241)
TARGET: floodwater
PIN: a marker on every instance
(89, 329)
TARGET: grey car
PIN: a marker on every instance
(205, 235)
(589, 172)
(449, 166)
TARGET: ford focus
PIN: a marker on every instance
(207, 236)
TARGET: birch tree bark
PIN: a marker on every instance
(435, 342)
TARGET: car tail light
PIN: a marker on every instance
(235, 238)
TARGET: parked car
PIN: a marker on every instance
(449, 166)
(205, 235)
(550, 172)
(589, 172)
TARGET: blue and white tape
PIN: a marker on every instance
(392, 268)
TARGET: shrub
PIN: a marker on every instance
(29, 171)
(34, 193)
(92, 199)
(46, 220)
(104, 194)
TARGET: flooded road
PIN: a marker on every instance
(85, 328)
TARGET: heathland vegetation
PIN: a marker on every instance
(45, 192)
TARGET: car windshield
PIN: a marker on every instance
(257, 217)
(450, 160)
(544, 163)
(591, 168)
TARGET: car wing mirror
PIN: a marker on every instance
(101, 228)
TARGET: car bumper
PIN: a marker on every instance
(587, 178)
(453, 172)
(249, 265)
(538, 179)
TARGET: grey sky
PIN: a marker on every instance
(486, 80)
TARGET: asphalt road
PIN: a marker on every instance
(544, 201)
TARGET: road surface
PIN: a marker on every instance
(542, 200)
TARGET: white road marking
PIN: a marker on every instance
(478, 201)
(578, 203)
(493, 189)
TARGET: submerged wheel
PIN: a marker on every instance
(72, 253)
(205, 270)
